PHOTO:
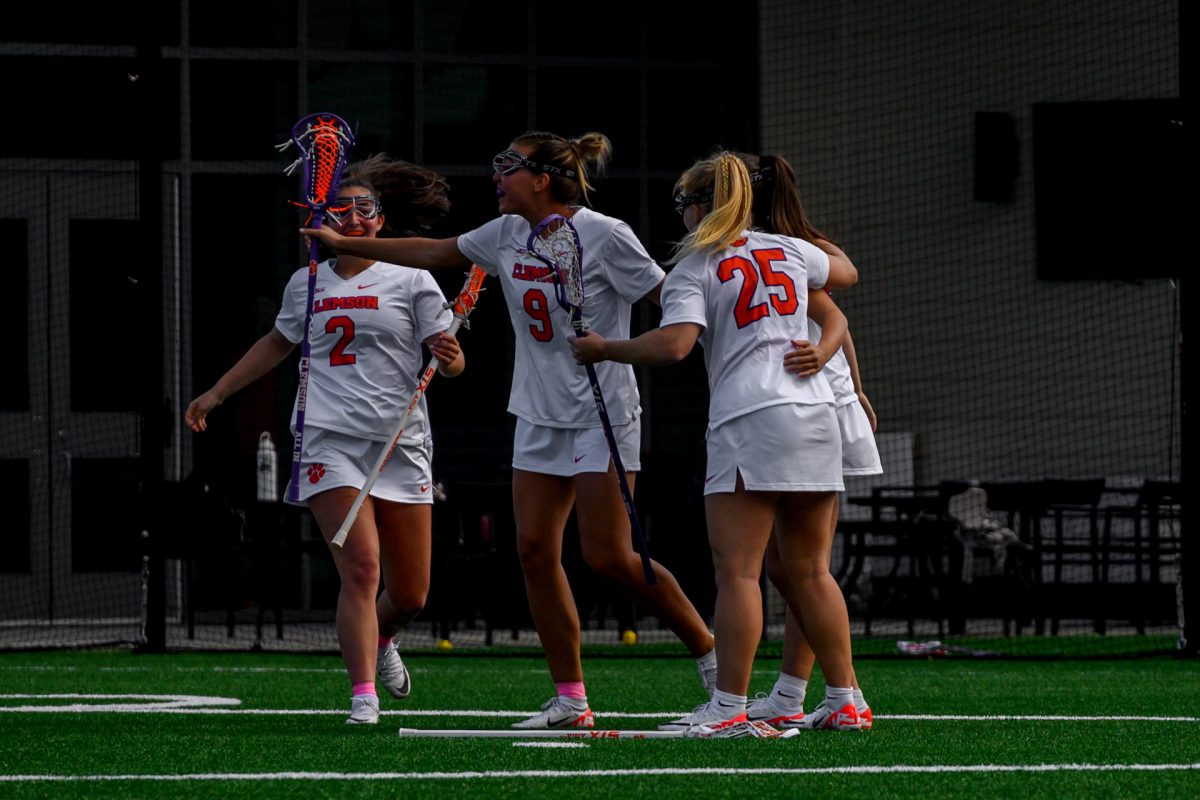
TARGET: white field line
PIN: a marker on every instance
(534, 671)
(48, 668)
(894, 769)
(252, 670)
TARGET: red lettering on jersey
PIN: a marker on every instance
(738, 242)
(369, 302)
(530, 272)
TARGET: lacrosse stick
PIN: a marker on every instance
(552, 733)
(936, 648)
(324, 141)
(462, 305)
(755, 730)
(555, 242)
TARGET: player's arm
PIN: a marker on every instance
(655, 294)
(657, 348)
(411, 252)
(809, 358)
(852, 360)
(842, 272)
(263, 356)
(834, 326)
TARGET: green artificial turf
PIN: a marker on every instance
(917, 749)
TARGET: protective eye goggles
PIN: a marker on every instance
(762, 175)
(510, 161)
(682, 201)
(366, 205)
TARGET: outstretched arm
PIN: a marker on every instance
(263, 356)
(411, 252)
(656, 348)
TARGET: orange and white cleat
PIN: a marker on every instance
(709, 714)
(560, 712)
(825, 718)
(769, 709)
(865, 720)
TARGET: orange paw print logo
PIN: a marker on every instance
(316, 472)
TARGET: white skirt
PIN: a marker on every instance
(784, 448)
(572, 451)
(332, 460)
(860, 454)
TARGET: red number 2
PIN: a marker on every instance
(338, 356)
(744, 312)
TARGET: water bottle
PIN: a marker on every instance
(267, 464)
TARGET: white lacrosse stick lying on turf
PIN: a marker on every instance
(756, 730)
(554, 733)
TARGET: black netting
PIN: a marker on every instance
(1007, 177)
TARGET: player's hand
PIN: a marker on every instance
(196, 415)
(325, 235)
(588, 347)
(804, 360)
(444, 348)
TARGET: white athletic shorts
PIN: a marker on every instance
(572, 451)
(785, 448)
(860, 454)
(331, 460)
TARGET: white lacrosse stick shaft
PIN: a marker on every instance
(339, 538)
(463, 305)
(559, 733)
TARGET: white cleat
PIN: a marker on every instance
(707, 714)
(826, 718)
(771, 710)
(364, 710)
(392, 672)
(560, 712)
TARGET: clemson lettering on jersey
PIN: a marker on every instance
(336, 303)
(530, 272)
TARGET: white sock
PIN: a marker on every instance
(837, 698)
(859, 702)
(707, 665)
(789, 692)
(733, 703)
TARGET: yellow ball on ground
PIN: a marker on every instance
(445, 644)
(629, 637)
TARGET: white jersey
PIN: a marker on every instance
(366, 339)
(836, 370)
(548, 386)
(752, 300)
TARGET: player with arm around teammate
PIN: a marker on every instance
(744, 295)
(778, 209)
(560, 456)
(369, 322)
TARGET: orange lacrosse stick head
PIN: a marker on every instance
(329, 156)
(464, 304)
(324, 141)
